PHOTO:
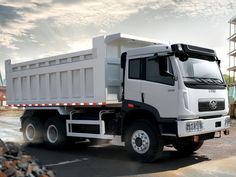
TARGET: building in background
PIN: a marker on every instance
(2, 95)
(2, 92)
(232, 65)
(232, 50)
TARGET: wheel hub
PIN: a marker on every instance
(140, 141)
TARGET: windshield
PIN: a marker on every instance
(198, 71)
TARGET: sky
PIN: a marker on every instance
(32, 29)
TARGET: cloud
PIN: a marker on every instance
(202, 8)
(102, 31)
(18, 18)
(7, 13)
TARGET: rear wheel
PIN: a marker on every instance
(32, 130)
(187, 147)
(143, 142)
(55, 133)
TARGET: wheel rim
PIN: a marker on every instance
(52, 134)
(140, 141)
(30, 132)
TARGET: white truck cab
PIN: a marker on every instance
(180, 82)
(144, 92)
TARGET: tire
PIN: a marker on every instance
(32, 130)
(143, 142)
(55, 133)
(187, 147)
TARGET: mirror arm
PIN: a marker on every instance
(218, 61)
(182, 56)
(175, 78)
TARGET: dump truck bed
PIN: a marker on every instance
(89, 77)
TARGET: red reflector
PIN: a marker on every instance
(104, 103)
(94, 103)
(196, 139)
(130, 105)
(85, 104)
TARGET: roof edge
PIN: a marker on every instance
(112, 37)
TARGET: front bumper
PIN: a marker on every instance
(208, 126)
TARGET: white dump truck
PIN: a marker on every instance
(144, 92)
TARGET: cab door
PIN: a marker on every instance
(159, 87)
(132, 80)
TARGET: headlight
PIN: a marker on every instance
(194, 126)
(227, 122)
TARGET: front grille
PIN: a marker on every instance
(211, 105)
(210, 117)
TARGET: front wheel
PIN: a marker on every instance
(187, 147)
(143, 142)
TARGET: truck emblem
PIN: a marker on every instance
(212, 91)
(213, 105)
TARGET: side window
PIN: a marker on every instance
(135, 69)
(158, 69)
(152, 69)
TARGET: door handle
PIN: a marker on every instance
(142, 97)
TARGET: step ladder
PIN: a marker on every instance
(99, 122)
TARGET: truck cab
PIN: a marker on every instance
(179, 88)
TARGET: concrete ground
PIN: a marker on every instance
(217, 158)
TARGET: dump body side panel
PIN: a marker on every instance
(63, 79)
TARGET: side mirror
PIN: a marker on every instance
(218, 62)
(123, 60)
(165, 68)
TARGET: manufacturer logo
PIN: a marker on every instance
(213, 104)
(212, 91)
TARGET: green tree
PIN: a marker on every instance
(227, 78)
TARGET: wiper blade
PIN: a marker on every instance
(216, 81)
(195, 79)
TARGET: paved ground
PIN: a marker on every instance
(216, 158)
